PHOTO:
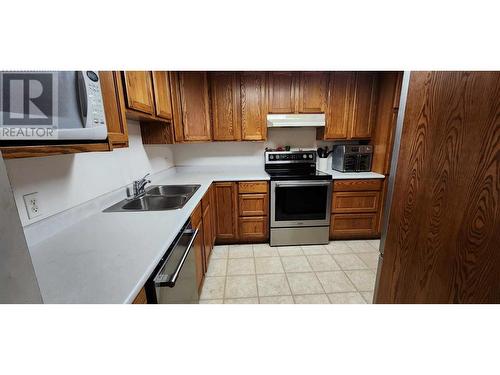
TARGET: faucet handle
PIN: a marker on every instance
(147, 174)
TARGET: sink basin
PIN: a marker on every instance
(172, 190)
(156, 203)
(157, 198)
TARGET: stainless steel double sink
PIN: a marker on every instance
(157, 198)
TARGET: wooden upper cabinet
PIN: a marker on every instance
(114, 108)
(313, 92)
(190, 106)
(138, 90)
(282, 92)
(225, 100)
(364, 105)
(163, 100)
(253, 106)
(337, 119)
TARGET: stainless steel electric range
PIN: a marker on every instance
(300, 199)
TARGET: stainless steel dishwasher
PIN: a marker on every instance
(174, 279)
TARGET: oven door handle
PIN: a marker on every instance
(305, 183)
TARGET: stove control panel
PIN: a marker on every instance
(272, 157)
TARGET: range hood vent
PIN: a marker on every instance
(296, 120)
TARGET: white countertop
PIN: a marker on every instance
(107, 257)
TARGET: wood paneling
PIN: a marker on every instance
(249, 187)
(356, 201)
(225, 104)
(190, 106)
(196, 215)
(443, 238)
(385, 121)
(14, 152)
(163, 100)
(199, 255)
(282, 92)
(253, 204)
(138, 91)
(213, 211)
(364, 105)
(155, 132)
(253, 100)
(114, 108)
(353, 225)
(313, 92)
(141, 298)
(337, 116)
(207, 235)
(357, 185)
(226, 194)
(253, 229)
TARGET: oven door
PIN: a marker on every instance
(300, 203)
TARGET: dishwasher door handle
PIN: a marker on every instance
(159, 279)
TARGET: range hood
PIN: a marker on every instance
(296, 120)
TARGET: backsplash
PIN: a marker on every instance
(66, 181)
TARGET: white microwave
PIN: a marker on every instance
(68, 103)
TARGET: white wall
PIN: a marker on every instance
(243, 153)
(65, 181)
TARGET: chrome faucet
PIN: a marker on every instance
(139, 185)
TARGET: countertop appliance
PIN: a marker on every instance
(300, 199)
(174, 279)
(69, 101)
(352, 158)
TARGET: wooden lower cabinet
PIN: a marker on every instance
(253, 204)
(353, 225)
(226, 202)
(198, 245)
(356, 209)
(141, 298)
(207, 234)
(253, 228)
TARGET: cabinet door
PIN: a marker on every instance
(138, 89)
(193, 95)
(353, 225)
(253, 228)
(114, 108)
(253, 204)
(163, 100)
(364, 103)
(226, 211)
(213, 212)
(337, 119)
(207, 235)
(225, 100)
(253, 106)
(282, 92)
(313, 92)
(355, 201)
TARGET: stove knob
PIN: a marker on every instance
(310, 156)
(271, 157)
(304, 156)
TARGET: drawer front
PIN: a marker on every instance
(353, 225)
(196, 216)
(355, 202)
(357, 185)
(253, 228)
(250, 187)
(253, 205)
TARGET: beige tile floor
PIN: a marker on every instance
(340, 272)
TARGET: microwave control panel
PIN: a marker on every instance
(96, 116)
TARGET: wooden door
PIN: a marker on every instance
(207, 235)
(161, 90)
(442, 243)
(282, 92)
(213, 212)
(313, 92)
(114, 108)
(190, 106)
(364, 105)
(226, 211)
(225, 104)
(139, 91)
(339, 103)
(253, 101)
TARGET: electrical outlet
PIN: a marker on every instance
(32, 207)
